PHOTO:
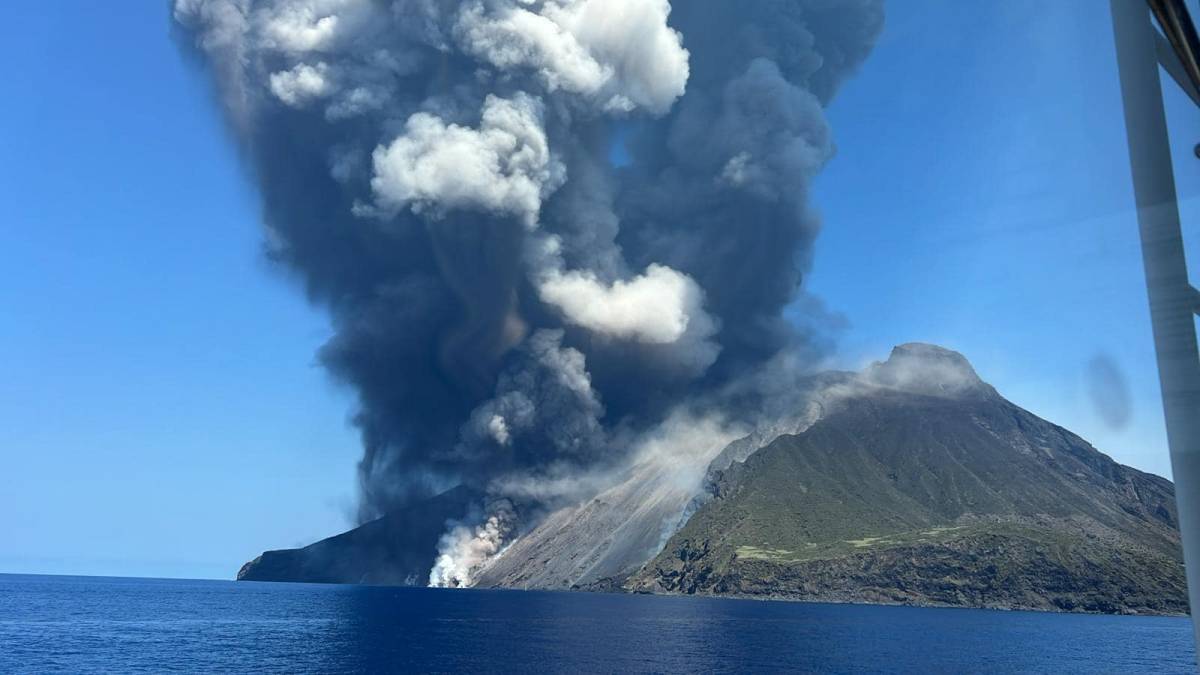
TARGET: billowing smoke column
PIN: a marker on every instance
(540, 225)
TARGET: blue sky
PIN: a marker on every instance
(981, 199)
(161, 412)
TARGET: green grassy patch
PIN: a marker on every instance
(831, 549)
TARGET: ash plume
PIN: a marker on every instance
(515, 310)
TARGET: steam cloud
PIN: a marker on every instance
(465, 548)
(513, 308)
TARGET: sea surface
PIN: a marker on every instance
(93, 624)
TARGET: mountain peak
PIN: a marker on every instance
(927, 369)
(936, 498)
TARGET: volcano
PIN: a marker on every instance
(911, 482)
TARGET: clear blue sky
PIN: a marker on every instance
(160, 409)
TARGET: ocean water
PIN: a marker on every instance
(93, 624)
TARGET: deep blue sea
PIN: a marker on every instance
(93, 624)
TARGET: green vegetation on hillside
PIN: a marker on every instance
(929, 497)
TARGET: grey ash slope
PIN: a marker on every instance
(925, 486)
(605, 539)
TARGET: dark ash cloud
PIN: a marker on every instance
(509, 305)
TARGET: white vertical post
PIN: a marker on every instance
(1173, 300)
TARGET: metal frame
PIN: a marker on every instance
(1174, 302)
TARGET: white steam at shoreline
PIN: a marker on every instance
(465, 549)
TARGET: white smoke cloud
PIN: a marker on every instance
(620, 53)
(661, 307)
(504, 166)
(925, 369)
(235, 34)
(498, 428)
(297, 29)
(301, 84)
(368, 90)
(311, 25)
(511, 36)
(465, 550)
(656, 307)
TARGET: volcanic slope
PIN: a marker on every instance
(923, 485)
